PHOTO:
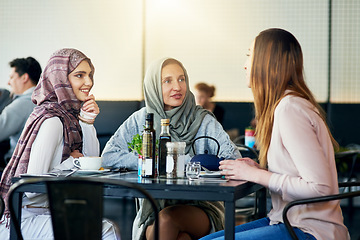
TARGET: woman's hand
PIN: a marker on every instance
(76, 154)
(239, 169)
(245, 169)
(90, 105)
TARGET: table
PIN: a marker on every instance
(207, 189)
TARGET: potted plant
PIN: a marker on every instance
(136, 144)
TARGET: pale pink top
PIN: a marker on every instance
(301, 156)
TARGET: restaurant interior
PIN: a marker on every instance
(211, 38)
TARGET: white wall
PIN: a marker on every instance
(107, 31)
(210, 37)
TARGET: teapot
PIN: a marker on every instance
(209, 161)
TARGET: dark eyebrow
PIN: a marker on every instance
(83, 72)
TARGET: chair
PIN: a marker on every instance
(317, 200)
(76, 204)
(254, 206)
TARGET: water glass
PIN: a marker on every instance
(193, 170)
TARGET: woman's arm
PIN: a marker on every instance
(46, 147)
(91, 146)
(88, 113)
(308, 169)
(116, 152)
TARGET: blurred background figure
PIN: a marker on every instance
(203, 95)
(24, 76)
(5, 98)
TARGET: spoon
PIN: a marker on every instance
(72, 172)
(206, 170)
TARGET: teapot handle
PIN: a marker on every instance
(192, 145)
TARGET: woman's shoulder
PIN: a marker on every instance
(210, 124)
(294, 102)
(209, 119)
(52, 123)
(296, 107)
(137, 116)
(51, 128)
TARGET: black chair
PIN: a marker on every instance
(248, 152)
(76, 204)
(317, 200)
(253, 206)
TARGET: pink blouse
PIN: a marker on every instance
(301, 158)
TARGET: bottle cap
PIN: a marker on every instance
(165, 121)
(149, 116)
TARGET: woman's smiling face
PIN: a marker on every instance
(173, 83)
(81, 80)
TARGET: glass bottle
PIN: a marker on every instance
(163, 139)
(148, 147)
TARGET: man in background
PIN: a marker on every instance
(5, 98)
(24, 76)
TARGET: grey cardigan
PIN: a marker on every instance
(116, 154)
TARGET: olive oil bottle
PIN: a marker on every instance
(163, 139)
(148, 147)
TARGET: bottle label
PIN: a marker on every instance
(147, 146)
(147, 166)
(170, 166)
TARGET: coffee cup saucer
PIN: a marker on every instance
(85, 171)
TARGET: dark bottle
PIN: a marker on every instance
(148, 147)
(163, 139)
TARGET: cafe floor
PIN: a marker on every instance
(123, 212)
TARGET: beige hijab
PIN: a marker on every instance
(185, 120)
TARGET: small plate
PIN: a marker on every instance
(213, 174)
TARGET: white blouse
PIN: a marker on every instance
(46, 152)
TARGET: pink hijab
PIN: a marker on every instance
(54, 97)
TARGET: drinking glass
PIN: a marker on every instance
(193, 170)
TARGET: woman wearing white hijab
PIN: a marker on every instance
(167, 95)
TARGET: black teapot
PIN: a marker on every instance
(209, 161)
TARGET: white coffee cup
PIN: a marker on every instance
(88, 163)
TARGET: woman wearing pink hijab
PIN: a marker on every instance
(58, 130)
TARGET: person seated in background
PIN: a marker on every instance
(5, 98)
(203, 95)
(58, 130)
(296, 146)
(24, 75)
(167, 95)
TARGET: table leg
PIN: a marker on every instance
(261, 198)
(229, 220)
(17, 203)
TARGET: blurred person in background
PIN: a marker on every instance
(203, 95)
(24, 76)
(5, 98)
